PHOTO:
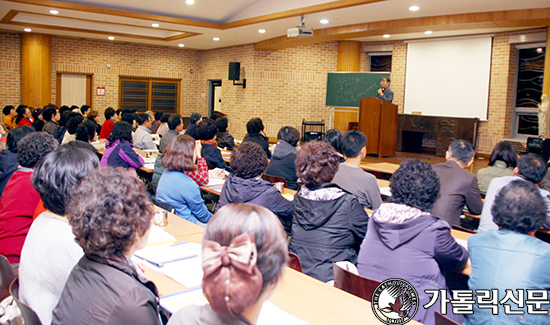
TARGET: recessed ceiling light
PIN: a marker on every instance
(190, 2)
(261, 31)
(54, 12)
(324, 21)
(155, 25)
(414, 8)
(216, 39)
(28, 30)
(428, 32)
(111, 38)
(181, 45)
(386, 36)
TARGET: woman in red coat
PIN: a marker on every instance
(24, 116)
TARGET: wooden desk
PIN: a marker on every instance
(177, 226)
(384, 168)
(298, 294)
(216, 189)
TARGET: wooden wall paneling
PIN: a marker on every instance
(89, 91)
(349, 60)
(546, 79)
(36, 67)
(58, 89)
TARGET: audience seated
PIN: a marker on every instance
(20, 199)
(84, 110)
(192, 129)
(86, 133)
(530, 168)
(351, 177)
(334, 136)
(207, 134)
(156, 123)
(107, 127)
(178, 189)
(62, 128)
(224, 138)
(502, 162)
(130, 117)
(329, 223)
(110, 214)
(72, 125)
(458, 186)
(282, 161)
(245, 185)
(50, 251)
(511, 257)
(249, 276)
(255, 133)
(9, 117)
(142, 137)
(406, 241)
(38, 123)
(24, 116)
(8, 157)
(119, 151)
(93, 116)
(199, 175)
(163, 127)
(175, 126)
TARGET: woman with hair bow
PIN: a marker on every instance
(244, 254)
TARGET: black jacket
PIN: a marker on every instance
(192, 130)
(8, 166)
(259, 139)
(282, 163)
(225, 140)
(328, 226)
(213, 157)
(255, 191)
(102, 291)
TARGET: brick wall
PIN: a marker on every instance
(283, 87)
(10, 69)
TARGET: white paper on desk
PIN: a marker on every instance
(159, 235)
(186, 272)
(161, 255)
(150, 160)
(385, 191)
(269, 315)
(462, 242)
(149, 166)
(215, 181)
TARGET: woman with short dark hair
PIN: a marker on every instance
(244, 255)
(110, 214)
(255, 133)
(8, 157)
(119, 148)
(406, 241)
(50, 252)
(282, 161)
(245, 185)
(329, 223)
(224, 138)
(24, 116)
(178, 189)
(502, 162)
(206, 133)
(94, 117)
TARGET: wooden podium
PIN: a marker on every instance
(378, 121)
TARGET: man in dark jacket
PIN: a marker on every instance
(8, 158)
(282, 161)
(248, 161)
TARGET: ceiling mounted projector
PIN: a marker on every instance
(300, 31)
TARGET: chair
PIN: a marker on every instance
(470, 231)
(163, 205)
(6, 277)
(29, 316)
(294, 262)
(355, 284)
(443, 320)
(274, 179)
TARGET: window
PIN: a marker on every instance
(144, 94)
(528, 89)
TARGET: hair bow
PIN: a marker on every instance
(232, 281)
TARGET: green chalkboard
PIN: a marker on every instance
(346, 89)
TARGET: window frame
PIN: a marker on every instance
(150, 82)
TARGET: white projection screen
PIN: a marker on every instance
(448, 77)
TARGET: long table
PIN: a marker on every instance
(298, 294)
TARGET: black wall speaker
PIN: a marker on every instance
(234, 70)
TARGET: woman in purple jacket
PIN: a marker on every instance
(404, 240)
(120, 152)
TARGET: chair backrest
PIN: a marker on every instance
(294, 262)
(443, 320)
(165, 206)
(274, 179)
(6, 277)
(470, 231)
(355, 284)
(29, 316)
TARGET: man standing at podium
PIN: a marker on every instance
(385, 93)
